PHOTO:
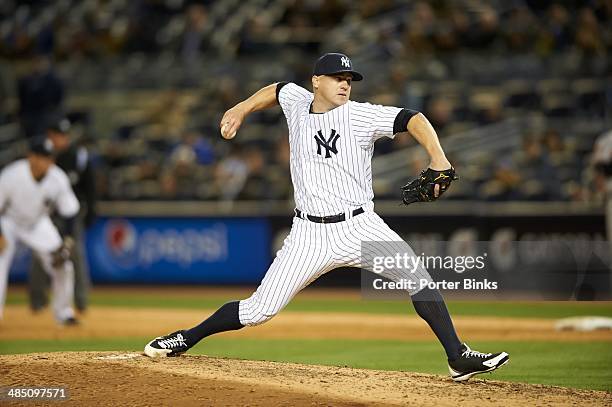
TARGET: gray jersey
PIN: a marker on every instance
(331, 153)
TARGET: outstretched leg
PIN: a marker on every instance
(303, 258)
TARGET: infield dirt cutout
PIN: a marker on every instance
(107, 378)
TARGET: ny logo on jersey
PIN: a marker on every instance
(345, 62)
(328, 144)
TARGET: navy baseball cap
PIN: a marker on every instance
(41, 145)
(335, 62)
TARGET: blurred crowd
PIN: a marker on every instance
(145, 83)
(101, 28)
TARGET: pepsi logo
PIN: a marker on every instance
(120, 237)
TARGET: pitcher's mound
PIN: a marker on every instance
(129, 378)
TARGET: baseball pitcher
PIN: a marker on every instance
(331, 145)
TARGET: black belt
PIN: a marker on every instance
(341, 217)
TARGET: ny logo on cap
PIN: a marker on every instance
(345, 62)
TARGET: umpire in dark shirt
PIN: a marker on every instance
(74, 159)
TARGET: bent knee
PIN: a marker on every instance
(252, 312)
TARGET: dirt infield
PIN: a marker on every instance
(105, 378)
(104, 322)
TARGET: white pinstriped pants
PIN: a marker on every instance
(313, 249)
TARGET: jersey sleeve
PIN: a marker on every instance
(289, 94)
(383, 121)
(375, 120)
(67, 203)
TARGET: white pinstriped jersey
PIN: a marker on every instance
(25, 200)
(331, 156)
(331, 153)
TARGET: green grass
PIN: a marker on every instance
(484, 308)
(578, 364)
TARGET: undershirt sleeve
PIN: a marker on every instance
(279, 86)
(401, 120)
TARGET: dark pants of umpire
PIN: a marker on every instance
(39, 281)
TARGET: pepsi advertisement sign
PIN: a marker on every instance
(179, 250)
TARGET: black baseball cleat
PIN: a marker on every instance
(471, 362)
(173, 344)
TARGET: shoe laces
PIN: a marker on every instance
(173, 342)
(473, 353)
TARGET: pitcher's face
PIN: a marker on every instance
(334, 89)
